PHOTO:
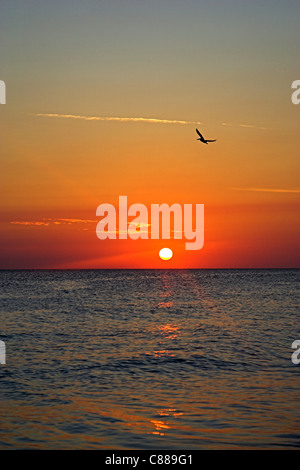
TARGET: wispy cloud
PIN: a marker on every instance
(253, 127)
(90, 224)
(29, 222)
(267, 190)
(81, 221)
(116, 118)
(46, 222)
(135, 119)
(250, 126)
(141, 226)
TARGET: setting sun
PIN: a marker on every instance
(165, 253)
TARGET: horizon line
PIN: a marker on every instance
(147, 269)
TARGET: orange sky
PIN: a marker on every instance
(55, 168)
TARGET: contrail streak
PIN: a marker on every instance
(118, 119)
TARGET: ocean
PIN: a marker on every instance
(149, 359)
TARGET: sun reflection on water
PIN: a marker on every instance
(169, 330)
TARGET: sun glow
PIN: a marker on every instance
(165, 253)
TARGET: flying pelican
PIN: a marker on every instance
(204, 141)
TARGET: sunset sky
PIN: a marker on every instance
(226, 65)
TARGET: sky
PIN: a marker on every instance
(102, 100)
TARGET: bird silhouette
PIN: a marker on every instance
(204, 141)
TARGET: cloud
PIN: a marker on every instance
(250, 126)
(118, 119)
(28, 222)
(140, 226)
(46, 222)
(267, 190)
(73, 221)
(134, 119)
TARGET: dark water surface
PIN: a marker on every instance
(149, 359)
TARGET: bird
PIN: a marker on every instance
(204, 141)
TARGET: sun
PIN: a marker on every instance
(165, 253)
